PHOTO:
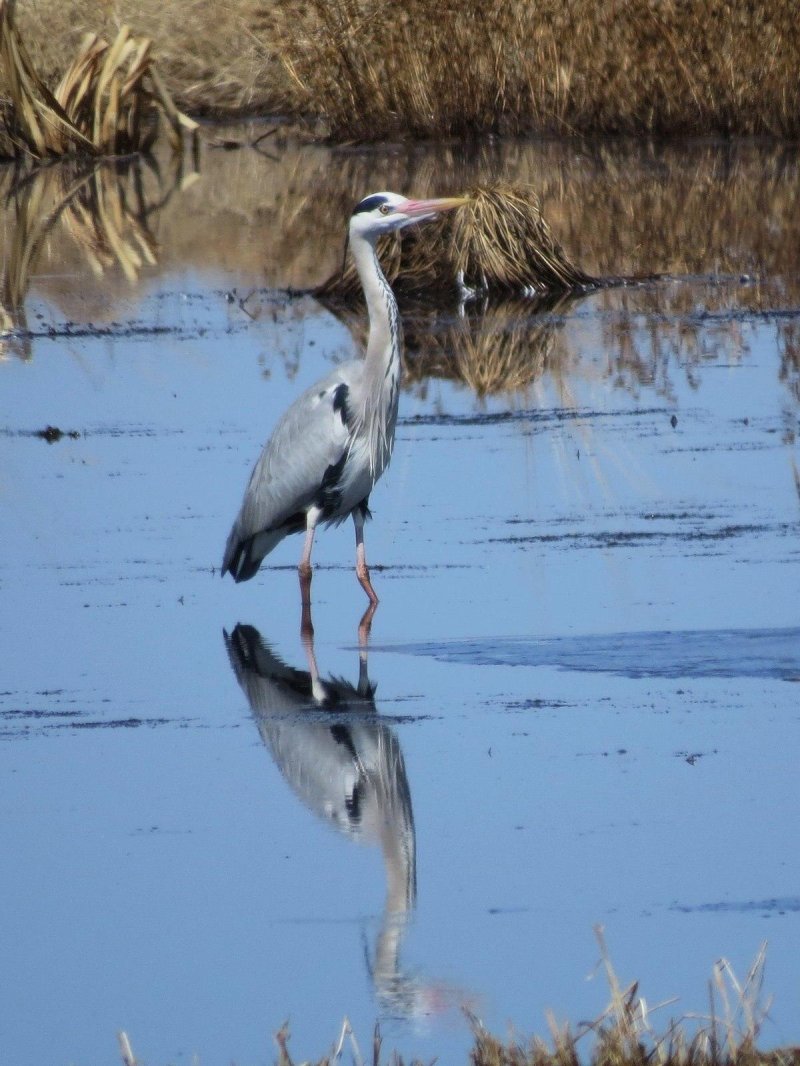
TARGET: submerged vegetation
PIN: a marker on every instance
(370, 70)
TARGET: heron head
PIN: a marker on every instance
(382, 212)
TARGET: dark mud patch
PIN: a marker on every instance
(538, 705)
(389, 569)
(772, 654)
(777, 905)
(629, 538)
(552, 416)
(19, 723)
(52, 434)
(67, 713)
(693, 757)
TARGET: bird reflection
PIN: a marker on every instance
(346, 766)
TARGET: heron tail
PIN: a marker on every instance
(244, 555)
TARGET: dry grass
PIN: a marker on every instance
(437, 67)
(432, 68)
(214, 58)
(499, 242)
(109, 101)
(625, 1034)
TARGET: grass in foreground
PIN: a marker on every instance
(625, 1034)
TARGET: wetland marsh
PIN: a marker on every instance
(585, 658)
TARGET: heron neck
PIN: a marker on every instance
(385, 336)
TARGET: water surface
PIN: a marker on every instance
(579, 703)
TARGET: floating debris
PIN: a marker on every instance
(52, 434)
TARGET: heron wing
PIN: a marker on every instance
(299, 463)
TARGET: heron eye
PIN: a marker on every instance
(384, 209)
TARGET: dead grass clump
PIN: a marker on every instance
(501, 242)
(625, 1033)
(498, 242)
(110, 100)
(214, 58)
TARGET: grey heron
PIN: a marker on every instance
(334, 442)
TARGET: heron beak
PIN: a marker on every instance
(421, 209)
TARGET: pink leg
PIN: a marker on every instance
(304, 566)
(362, 570)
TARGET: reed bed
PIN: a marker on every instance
(110, 101)
(370, 70)
(430, 68)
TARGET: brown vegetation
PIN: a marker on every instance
(625, 1034)
(212, 56)
(433, 67)
(278, 221)
(110, 100)
(498, 242)
(429, 68)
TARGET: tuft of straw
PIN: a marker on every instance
(110, 100)
(499, 242)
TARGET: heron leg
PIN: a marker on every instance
(304, 566)
(362, 570)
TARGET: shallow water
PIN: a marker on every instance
(586, 654)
